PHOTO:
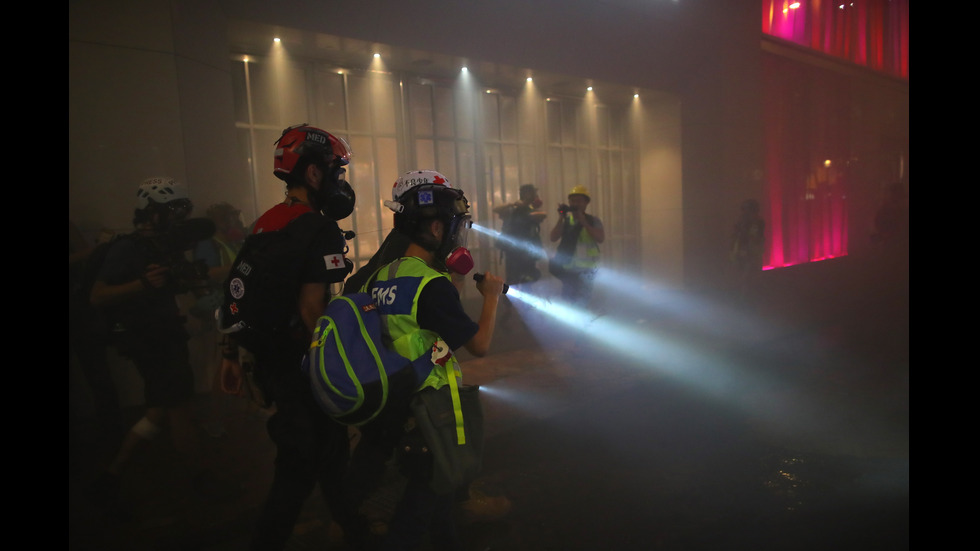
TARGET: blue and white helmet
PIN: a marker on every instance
(412, 179)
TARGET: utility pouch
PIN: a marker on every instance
(457, 460)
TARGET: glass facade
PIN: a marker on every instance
(488, 142)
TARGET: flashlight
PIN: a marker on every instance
(478, 277)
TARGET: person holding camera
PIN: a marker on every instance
(522, 226)
(136, 289)
(576, 259)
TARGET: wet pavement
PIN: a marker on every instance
(684, 423)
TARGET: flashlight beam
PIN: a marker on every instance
(640, 346)
(706, 317)
(533, 250)
(721, 369)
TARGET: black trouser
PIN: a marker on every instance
(311, 449)
(422, 511)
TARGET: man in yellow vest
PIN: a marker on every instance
(422, 312)
(577, 258)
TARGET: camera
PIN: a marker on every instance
(167, 249)
(187, 275)
(564, 209)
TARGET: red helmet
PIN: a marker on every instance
(304, 142)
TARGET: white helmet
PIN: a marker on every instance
(161, 195)
(411, 179)
(161, 189)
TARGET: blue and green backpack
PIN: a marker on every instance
(353, 373)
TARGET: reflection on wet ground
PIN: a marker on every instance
(784, 426)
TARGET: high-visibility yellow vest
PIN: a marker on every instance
(586, 256)
(396, 291)
(226, 253)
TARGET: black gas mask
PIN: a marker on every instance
(335, 198)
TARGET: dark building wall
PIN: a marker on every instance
(150, 92)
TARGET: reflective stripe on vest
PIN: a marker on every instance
(586, 255)
(396, 291)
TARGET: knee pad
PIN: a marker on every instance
(145, 429)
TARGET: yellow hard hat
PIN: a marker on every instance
(580, 190)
